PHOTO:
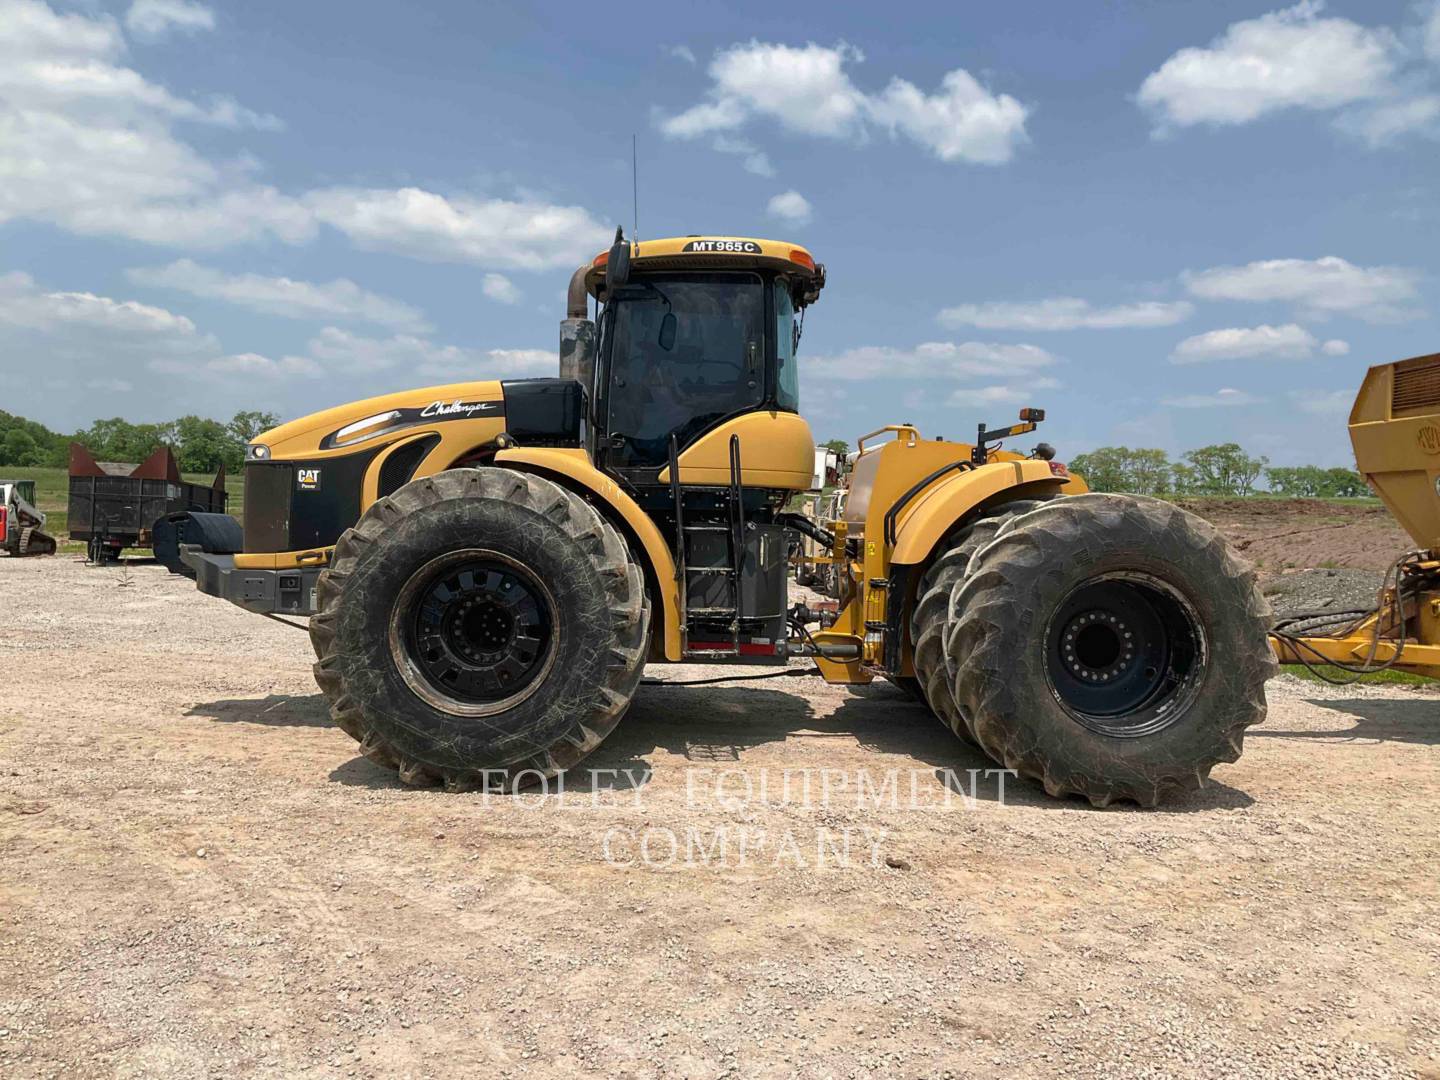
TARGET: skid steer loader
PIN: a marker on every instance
(22, 523)
(488, 566)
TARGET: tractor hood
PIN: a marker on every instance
(373, 422)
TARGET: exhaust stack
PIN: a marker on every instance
(579, 338)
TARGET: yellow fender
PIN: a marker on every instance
(780, 442)
(573, 469)
(933, 513)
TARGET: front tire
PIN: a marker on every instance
(479, 627)
(1109, 646)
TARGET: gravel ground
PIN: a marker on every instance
(201, 878)
(1299, 591)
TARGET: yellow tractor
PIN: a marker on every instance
(1395, 431)
(488, 566)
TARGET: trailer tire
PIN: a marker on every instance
(479, 628)
(930, 615)
(1110, 646)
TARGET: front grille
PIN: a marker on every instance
(267, 506)
(1417, 387)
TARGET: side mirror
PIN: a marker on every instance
(668, 328)
(617, 266)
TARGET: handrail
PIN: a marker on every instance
(897, 428)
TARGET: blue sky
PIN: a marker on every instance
(1167, 223)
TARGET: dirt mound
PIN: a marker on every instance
(1285, 534)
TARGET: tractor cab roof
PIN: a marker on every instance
(717, 253)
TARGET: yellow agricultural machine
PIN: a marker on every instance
(489, 565)
(1395, 430)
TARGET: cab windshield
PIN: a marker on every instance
(687, 350)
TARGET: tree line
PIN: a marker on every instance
(200, 445)
(1224, 469)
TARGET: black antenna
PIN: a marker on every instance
(635, 184)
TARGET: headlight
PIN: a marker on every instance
(257, 452)
(364, 429)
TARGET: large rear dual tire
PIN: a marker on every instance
(929, 618)
(479, 627)
(1106, 646)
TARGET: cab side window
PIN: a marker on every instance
(787, 375)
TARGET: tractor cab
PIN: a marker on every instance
(693, 399)
(693, 335)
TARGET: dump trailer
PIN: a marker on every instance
(488, 566)
(22, 524)
(1395, 432)
(116, 505)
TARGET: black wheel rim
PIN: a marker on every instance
(1124, 654)
(476, 630)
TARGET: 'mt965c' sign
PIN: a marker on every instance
(730, 247)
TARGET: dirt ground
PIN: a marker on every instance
(1281, 534)
(202, 878)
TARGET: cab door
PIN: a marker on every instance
(683, 352)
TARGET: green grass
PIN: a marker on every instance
(52, 492)
(1269, 496)
(1272, 497)
(1300, 671)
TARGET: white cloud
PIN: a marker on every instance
(1000, 393)
(253, 364)
(963, 122)
(682, 52)
(704, 119)
(25, 306)
(110, 386)
(1383, 123)
(1221, 398)
(343, 350)
(519, 235)
(1317, 287)
(790, 206)
(500, 288)
(1335, 347)
(68, 352)
(1286, 59)
(1322, 402)
(807, 91)
(103, 344)
(1065, 313)
(932, 359)
(1289, 341)
(1006, 373)
(339, 299)
(1297, 59)
(66, 62)
(756, 160)
(88, 143)
(75, 348)
(155, 18)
